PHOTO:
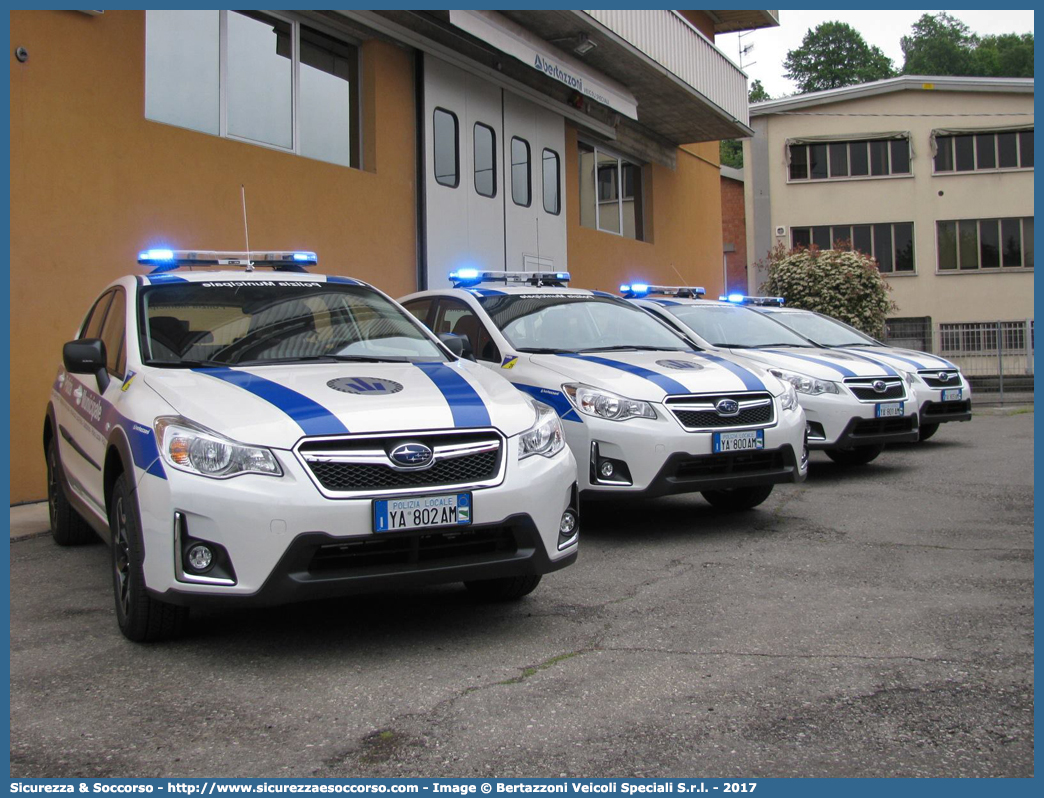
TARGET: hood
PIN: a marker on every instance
(823, 364)
(652, 376)
(905, 359)
(277, 405)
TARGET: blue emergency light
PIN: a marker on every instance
(462, 278)
(167, 259)
(639, 290)
(761, 301)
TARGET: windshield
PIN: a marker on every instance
(548, 322)
(823, 330)
(729, 326)
(258, 323)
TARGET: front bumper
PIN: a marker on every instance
(842, 421)
(933, 410)
(281, 537)
(659, 457)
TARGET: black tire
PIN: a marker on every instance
(140, 617)
(508, 588)
(738, 498)
(927, 431)
(67, 526)
(860, 455)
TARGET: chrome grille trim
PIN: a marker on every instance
(862, 389)
(362, 450)
(704, 404)
(931, 378)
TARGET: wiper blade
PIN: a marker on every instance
(186, 364)
(839, 346)
(796, 346)
(635, 348)
(323, 359)
(537, 350)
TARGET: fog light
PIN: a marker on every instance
(567, 525)
(606, 469)
(199, 557)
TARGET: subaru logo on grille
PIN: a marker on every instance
(880, 386)
(411, 455)
(727, 407)
(944, 376)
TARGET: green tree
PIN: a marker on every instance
(730, 153)
(1009, 55)
(939, 45)
(757, 93)
(834, 55)
(841, 283)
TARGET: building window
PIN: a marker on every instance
(485, 160)
(611, 193)
(521, 177)
(254, 77)
(849, 159)
(445, 139)
(552, 182)
(985, 244)
(984, 152)
(971, 337)
(891, 244)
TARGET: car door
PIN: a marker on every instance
(455, 316)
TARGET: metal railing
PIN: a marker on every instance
(995, 356)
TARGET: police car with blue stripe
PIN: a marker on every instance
(941, 392)
(265, 436)
(855, 404)
(645, 412)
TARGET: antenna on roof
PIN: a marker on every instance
(246, 228)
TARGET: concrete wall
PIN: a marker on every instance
(921, 198)
(734, 233)
(92, 182)
(682, 221)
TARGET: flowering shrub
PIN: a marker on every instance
(841, 283)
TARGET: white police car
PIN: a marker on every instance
(854, 405)
(644, 413)
(262, 437)
(942, 393)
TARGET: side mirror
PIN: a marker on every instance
(458, 345)
(87, 356)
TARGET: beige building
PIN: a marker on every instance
(933, 176)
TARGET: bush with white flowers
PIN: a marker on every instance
(841, 283)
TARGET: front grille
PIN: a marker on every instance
(362, 464)
(931, 378)
(717, 465)
(864, 390)
(946, 408)
(883, 426)
(433, 548)
(697, 412)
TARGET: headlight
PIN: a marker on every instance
(189, 447)
(605, 404)
(788, 399)
(911, 377)
(804, 384)
(545, 437)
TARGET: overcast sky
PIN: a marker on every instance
(881, 28)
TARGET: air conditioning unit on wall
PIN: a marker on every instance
(781, 231)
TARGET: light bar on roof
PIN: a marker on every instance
(165, 259)
(763, 301)
(636, 290)
(469, 276)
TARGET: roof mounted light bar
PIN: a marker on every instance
(760, 301)
(165, 260)
(462, 278)
(639, 290)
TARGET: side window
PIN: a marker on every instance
(551, 171)
(419, 308)
(113, 333)
(93, 323)
(521, 181)
(485, 160)
(447, 149)
(453, 316)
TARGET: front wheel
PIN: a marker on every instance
(738, 498)
(508, 588)
(860, 455)
(140, 617)
(67, 526)
(927, 431)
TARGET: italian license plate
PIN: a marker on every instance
(952, 395)
(889, 409)
(421, 512)
(742, 441)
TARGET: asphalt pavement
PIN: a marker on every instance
(874, 621)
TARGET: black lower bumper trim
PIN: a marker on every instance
(874, 432)
(317, 565)
(941, 412)
(686, 473)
